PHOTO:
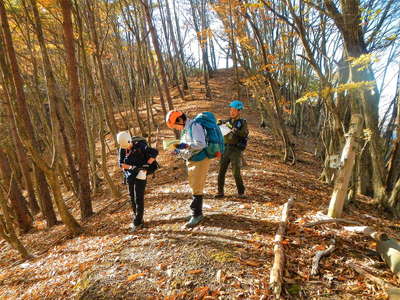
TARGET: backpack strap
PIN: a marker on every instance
(240, 121)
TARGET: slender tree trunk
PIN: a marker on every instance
(7, 229)
(18, 203)
(176, 49)
(81, 136)
(91, 91)
(114, 190)
(65, 215)
(157, 49)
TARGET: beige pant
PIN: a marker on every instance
(197, 173)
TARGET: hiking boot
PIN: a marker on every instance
(219, 196)
(242, 196)
(137, 227)
(194, 221)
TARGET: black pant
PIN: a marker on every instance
(136, 189)
(231, 155)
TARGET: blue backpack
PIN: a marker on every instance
(214, 138)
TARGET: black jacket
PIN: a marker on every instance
(137, 156)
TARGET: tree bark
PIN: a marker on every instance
(7, 229)
(18, 203)
(81, 135)
(157, 49)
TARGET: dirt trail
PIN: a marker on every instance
(228, 256)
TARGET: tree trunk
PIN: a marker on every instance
(18, 203)
(114, 191)
(202, 39)
(7, 229)
(157, 49)
(81, 136)
(66, 217)
(175, 46)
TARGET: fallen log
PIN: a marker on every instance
(392, 291)
(319, 255)
(275, 279)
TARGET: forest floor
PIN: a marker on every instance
(229, 256)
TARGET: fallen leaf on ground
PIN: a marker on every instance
(134, 276)
(195, 271)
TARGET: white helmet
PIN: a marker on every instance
(124, 139)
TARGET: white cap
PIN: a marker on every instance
(124, 139)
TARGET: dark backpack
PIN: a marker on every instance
(154, 166)
(242, 144)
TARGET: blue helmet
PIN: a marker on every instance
(237, 104)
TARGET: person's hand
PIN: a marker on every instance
(182, 146)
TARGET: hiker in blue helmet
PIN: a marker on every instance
(197, 148)
(235, 140)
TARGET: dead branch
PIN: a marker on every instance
(275, 281)
(318, 256)
(369, 231)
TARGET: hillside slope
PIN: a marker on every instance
(228, 256)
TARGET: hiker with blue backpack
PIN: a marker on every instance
(137, 160)
(201, 140)
(235, 144)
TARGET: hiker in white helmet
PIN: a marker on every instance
(137, 159)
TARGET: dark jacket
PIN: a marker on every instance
(137, 157)
(239, 133)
